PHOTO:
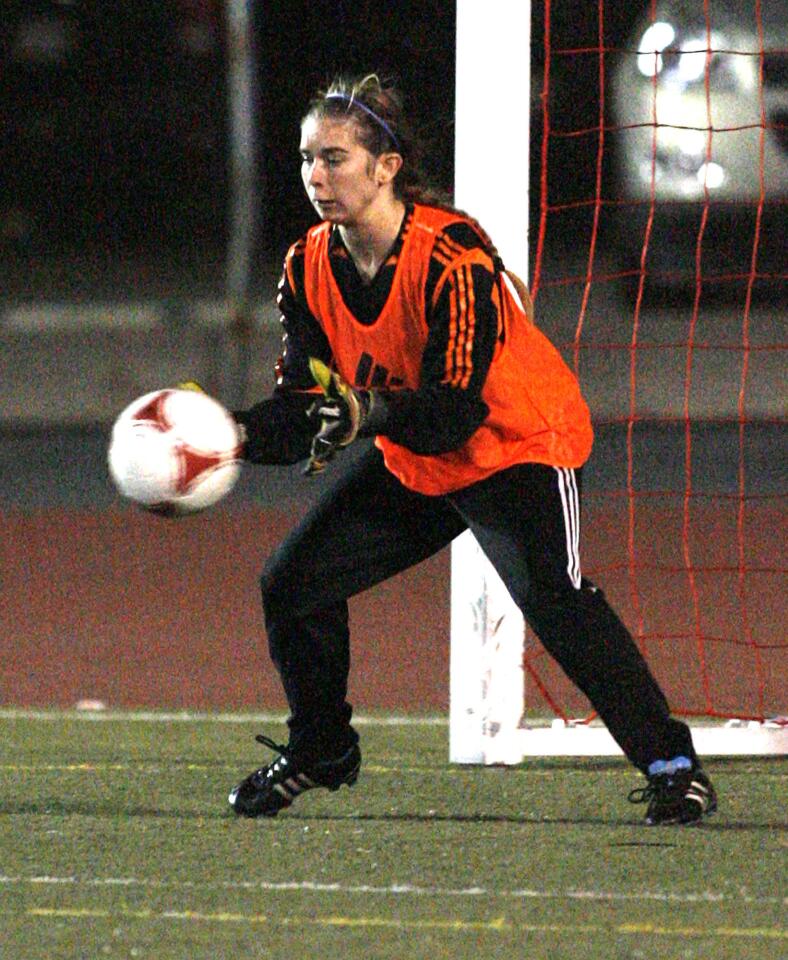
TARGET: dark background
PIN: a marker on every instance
(116, 138)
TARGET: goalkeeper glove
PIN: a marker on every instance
(343, 413)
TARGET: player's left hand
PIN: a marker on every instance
(342, 411)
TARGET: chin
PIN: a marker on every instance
(331, 215)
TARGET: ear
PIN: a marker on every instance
(387, 167)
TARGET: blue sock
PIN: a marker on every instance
(669, 766)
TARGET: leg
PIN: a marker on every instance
(363, 530)
(527, 520)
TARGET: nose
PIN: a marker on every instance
(311, 173)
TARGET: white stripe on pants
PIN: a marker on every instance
(567, 487)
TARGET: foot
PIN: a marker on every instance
(274, 787)
(677, 792)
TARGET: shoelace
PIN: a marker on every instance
(272, 744)
(281, 749)
(659, 788)
(643, 794)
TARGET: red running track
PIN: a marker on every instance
(138, 611)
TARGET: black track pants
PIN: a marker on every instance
(368, 527)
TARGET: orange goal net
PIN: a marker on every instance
(659, 192)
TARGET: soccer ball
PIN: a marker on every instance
(174, 452)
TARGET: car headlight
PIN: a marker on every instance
(691, 61)
(680, 60)
(658, 37)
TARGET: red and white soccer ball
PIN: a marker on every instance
(174, 452)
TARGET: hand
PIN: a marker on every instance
(342, 411)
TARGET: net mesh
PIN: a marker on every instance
(658, 266)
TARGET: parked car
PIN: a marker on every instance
(701, 117)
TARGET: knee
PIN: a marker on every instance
(562, 596)
(544, 599)
(276, 591)
(559, 614)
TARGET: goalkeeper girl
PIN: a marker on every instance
(400, 322)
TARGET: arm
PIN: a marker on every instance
(278, 430)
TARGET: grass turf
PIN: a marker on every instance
(116, 841)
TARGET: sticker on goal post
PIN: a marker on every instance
(486, 662)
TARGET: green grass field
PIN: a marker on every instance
(116, 841)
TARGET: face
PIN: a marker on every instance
(341, 177)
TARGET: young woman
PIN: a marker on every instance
(401, 311)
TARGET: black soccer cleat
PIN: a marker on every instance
(682, 795)
(273, 788)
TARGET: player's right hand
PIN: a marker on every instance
(342, 412)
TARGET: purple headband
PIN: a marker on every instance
(353, 102)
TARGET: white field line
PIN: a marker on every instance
(400, 890)
(185, 716)
(101, 713)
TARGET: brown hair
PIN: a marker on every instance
(376, 108)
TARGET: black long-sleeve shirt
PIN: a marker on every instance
(435, 417)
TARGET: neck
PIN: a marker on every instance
(370, 241)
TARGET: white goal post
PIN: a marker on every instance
(487, 689)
